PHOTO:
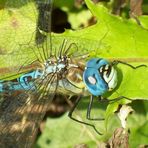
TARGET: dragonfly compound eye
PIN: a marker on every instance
(99, 76)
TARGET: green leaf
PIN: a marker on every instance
(111, 108)
(65, 133)
(144, 21)
(137, 123)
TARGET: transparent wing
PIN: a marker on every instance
(20, 38)
(22, 112)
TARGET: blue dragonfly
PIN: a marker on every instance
(28, 87)
(31, 78)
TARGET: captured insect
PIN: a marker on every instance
(100, 76)
(38, 73)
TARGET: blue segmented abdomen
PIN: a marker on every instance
(99, 76)
(21, 83)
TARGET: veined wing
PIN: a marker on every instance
(22, 111)
(18, 46)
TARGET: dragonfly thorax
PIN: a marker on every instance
(58, 66)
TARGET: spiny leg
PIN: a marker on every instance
(115, 99)
(104, 100)
(71, 117)
(89, 110)
(134, 67)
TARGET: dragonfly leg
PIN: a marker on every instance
(89, 110)
(71, 117)
(116, 99)
(104, 100)
(134, 67)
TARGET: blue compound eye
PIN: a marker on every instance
(99, 76)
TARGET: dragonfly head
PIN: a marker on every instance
(99, 76)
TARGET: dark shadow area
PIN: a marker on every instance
(54, 20)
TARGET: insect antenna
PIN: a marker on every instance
(116, 62)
